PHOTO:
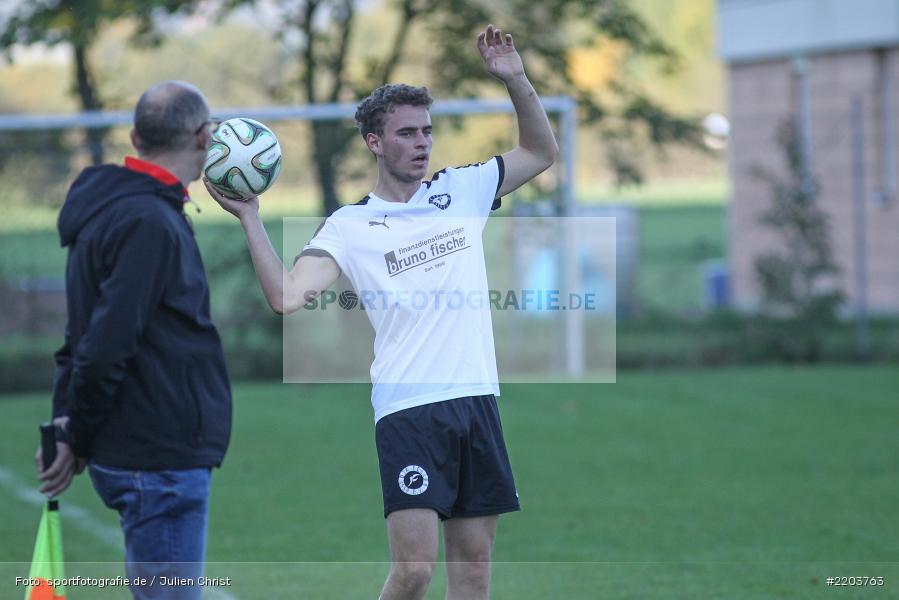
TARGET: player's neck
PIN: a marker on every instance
(394, 190)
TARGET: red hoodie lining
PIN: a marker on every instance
(153, 170)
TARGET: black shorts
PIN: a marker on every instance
(448, 456)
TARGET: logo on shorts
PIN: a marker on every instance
(413, 480)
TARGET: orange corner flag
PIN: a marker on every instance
(47, 563)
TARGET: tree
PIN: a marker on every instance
(77, 24)
(799, 297)
(320, 33)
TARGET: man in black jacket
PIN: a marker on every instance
(141, 390)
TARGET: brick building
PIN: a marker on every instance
(808, 60)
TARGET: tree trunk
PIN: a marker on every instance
(324, 166)
(330, 141)
(87, 93)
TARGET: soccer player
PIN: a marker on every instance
(438, 434)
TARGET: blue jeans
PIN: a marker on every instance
(163, 516)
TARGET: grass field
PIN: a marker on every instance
(739, 483)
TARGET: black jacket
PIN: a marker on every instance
(141, 374)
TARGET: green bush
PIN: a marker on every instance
(733, 339)
(26, 363)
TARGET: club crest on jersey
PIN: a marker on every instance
(441, 201)
(413, 480)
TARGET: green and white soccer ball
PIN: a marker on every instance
(244, 158)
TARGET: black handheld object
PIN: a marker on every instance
(48, 444)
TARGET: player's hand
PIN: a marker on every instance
(499, 54)
(238, 208)
(58, 476)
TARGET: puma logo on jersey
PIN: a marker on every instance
(384, 223)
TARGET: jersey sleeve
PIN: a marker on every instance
(328, 241)
(486, 179)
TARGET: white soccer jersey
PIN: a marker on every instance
(418, 269)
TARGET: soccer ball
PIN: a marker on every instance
(244, 158)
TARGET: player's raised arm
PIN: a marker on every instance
(286, 291)
(537, 148)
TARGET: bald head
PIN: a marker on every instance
(167, 116)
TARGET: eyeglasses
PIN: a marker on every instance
(213, 126)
